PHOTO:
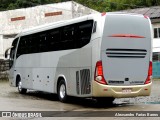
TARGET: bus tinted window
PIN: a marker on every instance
(68, 37)
(53, 39)
(29, 44)
(35, 42)
(42, 42)
(84, 33)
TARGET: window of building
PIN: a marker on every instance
(156, 32)
(156, 56)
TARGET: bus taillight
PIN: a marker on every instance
(148, 80)
(98, 76)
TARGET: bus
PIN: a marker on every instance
(101, 56)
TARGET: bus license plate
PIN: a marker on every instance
(126, 90)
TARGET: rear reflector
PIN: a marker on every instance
(98, 76)
(149, 77)
(126, 35)
(145, 16)
(103, 13)
(105, 89)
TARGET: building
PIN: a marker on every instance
(14, 21)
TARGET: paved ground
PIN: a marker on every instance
(11, 100)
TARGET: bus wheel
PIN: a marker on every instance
(20, 89)
(62, 94)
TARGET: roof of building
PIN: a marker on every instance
(152, 12)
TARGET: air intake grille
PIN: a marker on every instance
(85, 81)
(77, 82)
(126, 53)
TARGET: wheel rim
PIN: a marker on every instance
(62, 91)
(20, 86)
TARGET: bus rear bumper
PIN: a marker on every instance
(100, 90)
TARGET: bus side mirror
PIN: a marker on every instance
(6, 52)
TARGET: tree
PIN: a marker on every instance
(99, 5)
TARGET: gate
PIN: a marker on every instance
(156, 69)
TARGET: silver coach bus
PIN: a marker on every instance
(102, 56)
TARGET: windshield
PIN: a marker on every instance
(12, 52)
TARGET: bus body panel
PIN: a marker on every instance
(37, 72)
(77, 64)
(42, 74)
(41, 71)
(126, 49)
(100, 90)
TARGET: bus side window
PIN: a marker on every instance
(42, 42)
(34, 43)
(24, 45)
(68, 37)
(53, 39)
(29, 44)
(20, 49)
(84, 33)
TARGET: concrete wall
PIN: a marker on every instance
(1, 46)
(79, 10)
(34, 16)
(14, 21)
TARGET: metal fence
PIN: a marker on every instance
(156, 69)
(4, 67)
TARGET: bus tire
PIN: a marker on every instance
(20, 89)
(62, 94)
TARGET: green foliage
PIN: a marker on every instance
(99, 5)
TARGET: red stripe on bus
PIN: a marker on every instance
(126, 35)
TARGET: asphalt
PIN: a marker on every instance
(77, 108)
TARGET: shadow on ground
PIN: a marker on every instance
(84, 102)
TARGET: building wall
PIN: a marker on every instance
(1, 46)
(156, 41)
(79, 10)
(16, 20)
